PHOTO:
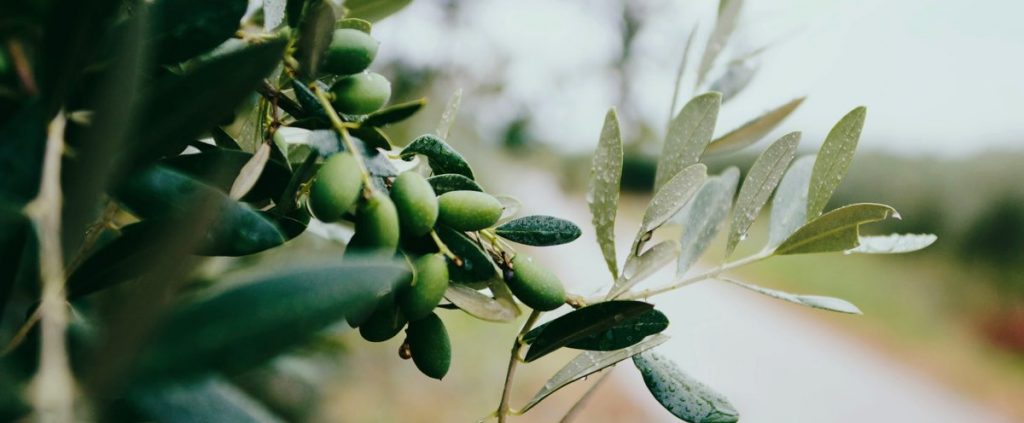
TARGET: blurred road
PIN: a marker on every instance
(775, 364)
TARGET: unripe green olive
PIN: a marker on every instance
(429, 345)
(468, 210)
(361, 93)
(535, 285)
(376, 226)
(416, 203)
(336, 187)
(430, 280)
(385, 322)
(351, 51)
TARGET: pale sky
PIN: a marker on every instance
(940, 77)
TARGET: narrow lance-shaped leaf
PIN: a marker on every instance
(683, 62)
(444, 126)
(893, 243)
(539, 231)
(588, 363)
(314, 35)
(603, 192)
(681, 394)
(250, 172)
(789, 207)
(704, 217)
(834, 160)
(736, 78)
(510, 207)
(814, 301)
(475, 266)
(728, 15)
(640, 267)
(580, 324)
(837, 230)
(761, 180)
(673, 196)
(688, 135)
(394, 113)
(452, 182)
(201, 400)
(752, 131)
(480, 305)
(374, 10)
(441, 156)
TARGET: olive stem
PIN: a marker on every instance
(444, 248)
(679, 283)
(513, 362)
(342, 129)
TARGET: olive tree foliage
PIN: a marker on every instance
(140, 140)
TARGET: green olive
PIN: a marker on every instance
(430, 280)
(351, 51)
(376, 226)
(385, 322)
(535, 285)
(416, 203)
(361, 93)
(336, 187)
(429, 345)
(468, 210)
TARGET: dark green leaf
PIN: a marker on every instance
(125, 258)
(682, 395)
(588, 363)
(441, 156)
(22, 142)
(837, 230)
(394, 113)
(688, 135)
(71, 39)
(761, 180)
(581, 324)
(315, 34)
(185, 28)
(223, 140)
(14, 234)
(267, 312)
(236, 228)
(603, 190)
(752, 131)
(372, 137)
(624, 334)
(310, 104)
(182, 107)
(452, 182)
(833, 160)
(476, 264)
(373, 10)
(539, 231)
(219, 167)
(207, 399)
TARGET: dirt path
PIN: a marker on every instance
(775, 365)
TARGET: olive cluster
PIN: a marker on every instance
(358, 91)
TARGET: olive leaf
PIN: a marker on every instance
(219, 168)
(208, 398)
(789, 207)
(444, 126)
(452, 182)
(738, 74)
(125, 258)
(603, 189)
(588, 363)
(373, 10)
(223, 140)
(681, 394)
(704, 217)
(476, 265)
(314, 36)
(15, 233)
(837, 230)
(813, 301)
(834, 160)
(728, 15)
(539, 231)
(688, 135)
(21, 154)
(372, 136)
(893, 243)
(480, 305)
(266, 312)
(310, 103)
(442, 157)
(640, 267)
(510, 207)
(185, 28)
(752, 131)
(394, 113)
(673, 196)
(761, 180)
(580, 324)
(250, 172)
(683, 62)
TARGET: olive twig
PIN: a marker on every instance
(513, 362)
(444, 248)
(342, 129)
(679, 283)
